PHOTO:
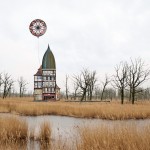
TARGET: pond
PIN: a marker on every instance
(65, 128)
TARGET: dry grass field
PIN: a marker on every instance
(14, 133)
(111, 110)
(13, 130)
(120, 137)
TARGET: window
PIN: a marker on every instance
(35, 78)
(53, 78)
(35, 84)
(53, 83)
(39, 78)
(44, 72)
(45, 84)
(48, 72)
(53, 90)
(45, 90)
(39, 84)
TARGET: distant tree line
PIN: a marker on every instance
(126, 83)
(7, 88)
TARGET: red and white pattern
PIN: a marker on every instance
(37, 27)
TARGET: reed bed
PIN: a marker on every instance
(13, 130)
(45, 132)
(43, 137)
(113, 110)
(120, 137)
(15, 134)
(117, 137)
(13, 146)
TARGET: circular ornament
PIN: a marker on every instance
(37, 27)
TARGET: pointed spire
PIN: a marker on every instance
(48, 47)
(48, 61)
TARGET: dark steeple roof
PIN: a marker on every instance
(48, 61)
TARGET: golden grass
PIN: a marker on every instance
(117, 137)
(13, 146)
(14, 135)
(44, 136)
(113, 110)
(13, 130)
(120, 137)
(45, 132)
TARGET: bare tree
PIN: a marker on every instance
(7, 84)
(75, 88)
(22, 86)
(120, 78)
(83, 80)
(13, 91)
(92, 82)
(66, 87)
(137, 75)
(110, 93)
(105, 83)
(97, 92)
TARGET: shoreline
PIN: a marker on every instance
(76, 117)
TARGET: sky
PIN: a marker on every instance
(93, 34)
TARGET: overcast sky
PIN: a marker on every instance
(97, 34)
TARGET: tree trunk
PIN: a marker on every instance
(133, 96)
(91, 95)
(83, 95)
(20, 91)
(130, 94)
(102, 93)
(4, 92)
(75, 95)
(122, 96)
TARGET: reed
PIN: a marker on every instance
(13, 146)
(13, 130)
(45, 133)
(119, 137)
(14, 134)
(32, 135)
(113, 110)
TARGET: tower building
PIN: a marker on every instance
(45, 87)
